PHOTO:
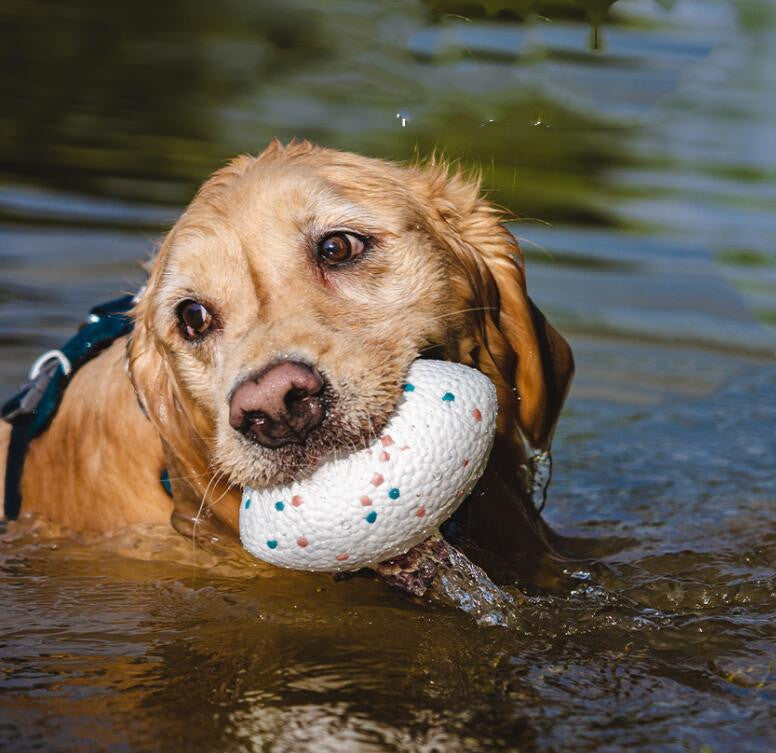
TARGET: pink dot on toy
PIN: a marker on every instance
(421, 512)
(296, 500)
(377, 479)
(342, 557)
(365, 501)
(477, 415)
(384, 457)
(386, 440)
(302, 541)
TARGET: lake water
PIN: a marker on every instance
(637, 148)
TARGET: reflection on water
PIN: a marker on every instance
(636, 150)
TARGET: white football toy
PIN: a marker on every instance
(378, 503)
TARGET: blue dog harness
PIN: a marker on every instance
(31, 411)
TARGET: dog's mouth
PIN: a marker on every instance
(343, 430)
(419, 571)
(278, 453)
(434, 352)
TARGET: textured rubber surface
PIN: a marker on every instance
(379, 502)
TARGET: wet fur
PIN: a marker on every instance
(443, 273)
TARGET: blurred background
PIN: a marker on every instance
(635, 143)
(634, 140)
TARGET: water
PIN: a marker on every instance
(437, 571)
(463, 585)
(642, 176)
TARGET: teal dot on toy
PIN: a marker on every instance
(279, 506)
(247, 503)
(409, 387)
(272, 544)
(393, 493)
(448, 397)
(371, 518)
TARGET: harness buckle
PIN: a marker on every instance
(42, 372)
(32, 409)
(48, 357)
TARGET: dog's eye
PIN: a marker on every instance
(340, 247)
(194, 318)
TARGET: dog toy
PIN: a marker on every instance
(377, 503)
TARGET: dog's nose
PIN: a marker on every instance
(280, 406)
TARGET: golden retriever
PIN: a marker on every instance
(280, 316)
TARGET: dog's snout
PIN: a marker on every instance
(280, 406)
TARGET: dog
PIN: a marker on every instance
(280, 315)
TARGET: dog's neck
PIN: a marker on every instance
(204, 514)
(97, 466)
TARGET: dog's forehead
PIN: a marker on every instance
(253, 227)
(268, 206)
(328, 194)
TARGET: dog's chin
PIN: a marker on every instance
(264, 467)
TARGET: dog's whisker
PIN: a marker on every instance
(463, 311)
(211, 504)
(197, 517)
(372, 432)
(189, 477)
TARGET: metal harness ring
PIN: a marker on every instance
(50, 355)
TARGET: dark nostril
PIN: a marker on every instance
(281, 405)
(252, 419)
(295, 395)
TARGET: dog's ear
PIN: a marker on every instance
(510, 340)
(180, 424)
(165, 405)
(184, 430)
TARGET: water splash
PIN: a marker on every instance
(536, 474)
(436, 570)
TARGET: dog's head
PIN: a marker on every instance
(287, 303)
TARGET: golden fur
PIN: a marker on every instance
(442, 274)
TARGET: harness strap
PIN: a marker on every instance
(31, 410)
